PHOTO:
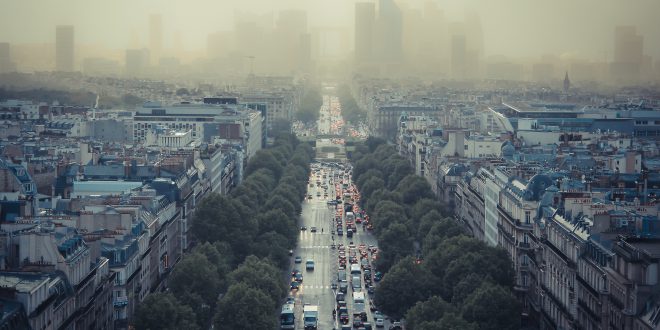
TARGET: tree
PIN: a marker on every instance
(277, 221)
(163, 311)
(492, 307)
(425, 222)
(372, 184)
(310, 106)
(244, 307)
(262, 275)
(264, 159)
(399, 245)
(440, 231)
(402, 286)
(216, 218)
(196, 275)
(414, 188)
(430, 310)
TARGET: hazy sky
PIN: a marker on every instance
(516, 28)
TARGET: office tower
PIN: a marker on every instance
(628, 54)
(5, 58)
(155, 37)
(290, 28)
(389, 34)
(64, 43)
(136, 62)
(458, 56)
(543, 72)
(365, 19)
(567, 83)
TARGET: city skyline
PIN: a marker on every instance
(561, 28)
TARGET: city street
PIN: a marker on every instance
(318, 234)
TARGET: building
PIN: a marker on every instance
(628, 54)
(365, 20)
(64, 48)
(155, 38)
(389, 33)
(6, 64)
(136, 62)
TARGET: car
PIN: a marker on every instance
(290, 300)
(380, 322)
(370, 289)
(303, 228)
(396, 326)
(309, 264)
(343, 286)
(367, 326)
(298, 259)
(294, 272)
(341, 303)
(295, 285)
(313, 229)
(299, 277)
(378, 276)
(357, 322)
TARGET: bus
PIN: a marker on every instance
(288, 317)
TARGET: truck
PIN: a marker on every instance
(359, 309)
(310, 316)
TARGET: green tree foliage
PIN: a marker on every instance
(196, 275)
(262, 275)
(163, 311)
(430, 310)
(310, 106)
(402, 287)
(414, 188)
(264, 158)
(350, 110)
(492, 307)
(244, 307)
(455, 268)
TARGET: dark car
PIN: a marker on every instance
(299, 277)
(378, 276)
(295, 285)
(298, 259)
(303, 228)
(313, 230)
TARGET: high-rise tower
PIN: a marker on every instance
(365, 19)
(155, 37)
(64, 43)
(628, 54)
(567, 83)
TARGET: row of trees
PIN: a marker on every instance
(350, 110)
(310, 106)
(233, 277)
(461, 283)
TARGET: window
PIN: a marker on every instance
(528, 218)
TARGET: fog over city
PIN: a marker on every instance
(251, 34)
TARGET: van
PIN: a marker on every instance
(355, 269)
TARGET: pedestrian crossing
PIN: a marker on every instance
(316, 247)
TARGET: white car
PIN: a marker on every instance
(380, 322)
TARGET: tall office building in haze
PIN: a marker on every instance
(628, 54)
(155, 37)
(365, 19)
(5, 58)
(389, 32)
(64, 44)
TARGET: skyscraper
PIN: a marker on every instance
(389, 32)
(365, 19)
(64, 44)
(628, 54)
(5, 58)
(458, 56)
(136, 62)
(155, 37)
